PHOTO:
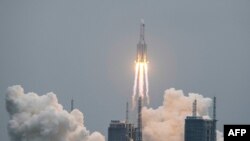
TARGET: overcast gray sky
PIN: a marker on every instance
(85, 49)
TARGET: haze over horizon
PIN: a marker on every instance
(86, 50)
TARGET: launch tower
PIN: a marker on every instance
(139, 124)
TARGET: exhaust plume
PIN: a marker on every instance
(140, 88)
(166, 123)
(42, 118)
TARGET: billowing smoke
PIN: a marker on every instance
(166, 123)
(42, 118)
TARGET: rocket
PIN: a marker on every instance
(141, 55)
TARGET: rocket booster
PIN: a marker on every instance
(141, 55)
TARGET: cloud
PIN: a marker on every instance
(42, 118)
(166, 123)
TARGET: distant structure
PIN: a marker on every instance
(72, 105)
(195, 108)
(127, 120)
(139, 124)
(214, 119)
(198, 128)
(122, 130)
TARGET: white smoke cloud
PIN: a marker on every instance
(42, 118)
(166, 123)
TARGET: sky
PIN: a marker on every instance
(85, 50)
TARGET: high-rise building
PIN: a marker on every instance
(121, 131)
(198, 128)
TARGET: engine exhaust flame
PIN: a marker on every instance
(140, 82)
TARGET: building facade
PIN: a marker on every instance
(121, 131)
(198, 128)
